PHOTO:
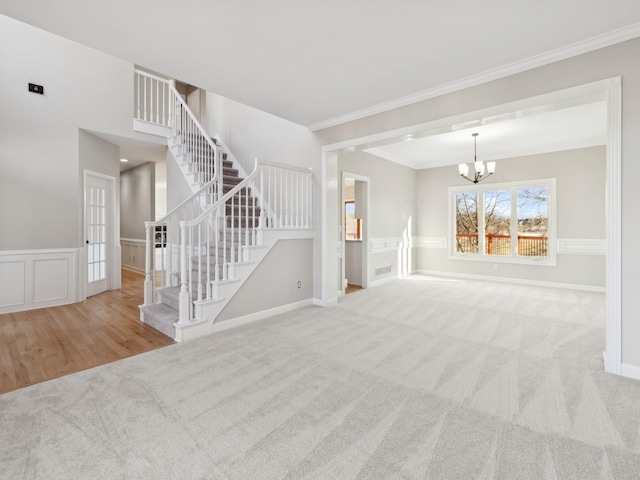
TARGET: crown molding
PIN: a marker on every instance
(594, 43)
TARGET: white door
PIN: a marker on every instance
(97, 215)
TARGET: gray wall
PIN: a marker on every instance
(274, 282)
(137, 200)
(250, 133)
(580, 203)
(178, 189)
(617, 60)
(98, 155)
(392, 204)
(40, 168)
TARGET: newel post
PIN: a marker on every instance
(184, 300)
(148, 264)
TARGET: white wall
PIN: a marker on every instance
(580, 202)
(40, 170)
(353, 261)
(391, 212)
(250, 133)
(274, 283)
(178, 189)
(617, 60)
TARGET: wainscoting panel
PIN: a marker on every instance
(377, 245)
(32, 279)
(582, 246)
(430, 242)
(12, 274)
(44, 270)
(132, 256)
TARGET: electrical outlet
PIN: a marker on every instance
(299, 284)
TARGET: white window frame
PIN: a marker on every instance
(549, 260)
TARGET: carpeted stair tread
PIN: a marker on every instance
(161, 317)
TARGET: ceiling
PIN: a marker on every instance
(321, 63)
(551, 129)
(136, 151)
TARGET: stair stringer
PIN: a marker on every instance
(207, 311)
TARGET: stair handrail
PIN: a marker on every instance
(254, 173)
(164, 223)
(200, 128)
(192, 130)
(156, 223)
(211, 223)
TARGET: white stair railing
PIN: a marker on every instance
(202, 240)
(215, 242)
(152, 99)
(162, 260)
(157, 101)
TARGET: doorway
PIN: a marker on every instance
(98, 210)
(355, 227)
(608, 90)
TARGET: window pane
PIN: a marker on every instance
(353, 225)
(533, 221)
(467, 222)
(497, 222)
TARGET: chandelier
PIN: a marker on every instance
(478, 166)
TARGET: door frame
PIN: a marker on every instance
(113, 248)
(365, 229)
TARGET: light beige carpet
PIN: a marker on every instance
(414, 379)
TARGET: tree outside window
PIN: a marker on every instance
(353, 225)
(515, 221)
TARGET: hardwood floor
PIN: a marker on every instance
(352, 288)
(42, 344)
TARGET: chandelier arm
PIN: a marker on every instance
(478, 177)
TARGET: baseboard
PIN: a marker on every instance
(254, 317)
(133, 270)
(631, 371)
(31, 279)
(318, 302)
(382, 281)
(517, 281)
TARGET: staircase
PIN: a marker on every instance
(199, 255)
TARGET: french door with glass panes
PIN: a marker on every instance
(97, 215)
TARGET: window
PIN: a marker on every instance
(353, 225)
(507, 222)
